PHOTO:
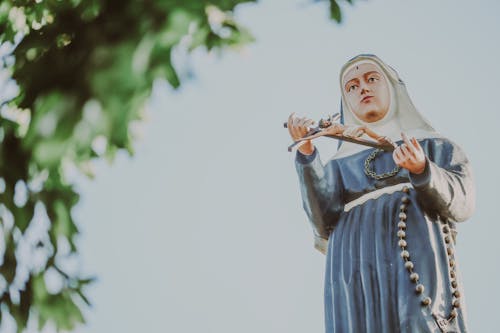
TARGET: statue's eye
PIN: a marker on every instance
(372, 79)
(352, 87)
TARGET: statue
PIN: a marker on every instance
(385, 218)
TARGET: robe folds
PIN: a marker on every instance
(367, 287)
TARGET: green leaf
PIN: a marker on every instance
(23, 215)
(20, 316)
(49, 153)
(63, 224)
(335, 12)
(58, 308)
(40, 293)
(9, 266)
(171, 75)
(90, 10)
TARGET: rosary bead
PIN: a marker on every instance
(414, 277)
(419, 288)
(426, 301)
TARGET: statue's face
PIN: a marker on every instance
(367, 93)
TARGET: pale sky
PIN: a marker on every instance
(203, 229)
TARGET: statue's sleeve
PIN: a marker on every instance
(446, 186)
(321, 195)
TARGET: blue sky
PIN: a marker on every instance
(203, 230)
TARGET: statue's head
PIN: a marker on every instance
(366, 91)
(373, 95)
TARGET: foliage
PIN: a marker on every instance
(83, 70)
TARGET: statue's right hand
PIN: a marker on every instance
(298, 128)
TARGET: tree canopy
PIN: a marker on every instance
(78, 74)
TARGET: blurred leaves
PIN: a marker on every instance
(83, 70)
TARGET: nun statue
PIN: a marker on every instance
(386, 220)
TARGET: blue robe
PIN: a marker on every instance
(367, 286)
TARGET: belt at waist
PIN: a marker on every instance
(375, 194)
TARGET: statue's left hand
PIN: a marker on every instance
(410, 155)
